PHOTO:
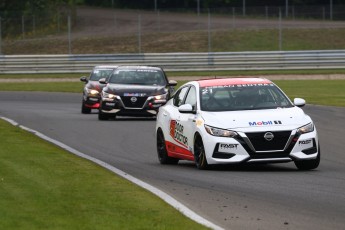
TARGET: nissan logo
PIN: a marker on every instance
(269, 136)
(134, 99)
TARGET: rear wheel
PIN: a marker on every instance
(309, 164)
(199, 153)
(162, 151)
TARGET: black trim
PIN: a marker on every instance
(311, 150)
(255, 155)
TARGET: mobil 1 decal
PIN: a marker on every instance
(176, 132)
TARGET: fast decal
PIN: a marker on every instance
(305, 142)
(176, 132)
(264, 123)
(228, 146)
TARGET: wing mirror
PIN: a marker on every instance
(103, 81)
(186, 108)
(299, 102)
(172, 83)
(83, 79)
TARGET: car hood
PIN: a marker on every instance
(249, 120)
(95, 85)
(135, 90)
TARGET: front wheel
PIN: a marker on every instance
(84, 109)
(103, 116)
(162, 151)
(199, 153)
(309, 164)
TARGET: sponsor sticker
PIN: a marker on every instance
(176, 132)
(134, 94)
(264, 123)
(109, 104)
(306, 143)
(227, 148)
(199, 122)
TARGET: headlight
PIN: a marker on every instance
(220, 132)
(108, 95)
(161, 97)
(306, 129)
(92, 91)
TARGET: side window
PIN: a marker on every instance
(179, 96)
(191, 97)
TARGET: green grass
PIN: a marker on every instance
(73, 87)
(193, 41)
(44, 187)
(50, 75)
(321, 92)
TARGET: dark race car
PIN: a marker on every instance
(134, 91)
(93, 88)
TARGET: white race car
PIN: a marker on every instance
(235, 120)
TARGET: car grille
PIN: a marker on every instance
(137, 104)
(277, 143)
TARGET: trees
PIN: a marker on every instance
(13, 14)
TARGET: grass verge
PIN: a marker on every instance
(231, 40)
(44, 187)
(321, 92)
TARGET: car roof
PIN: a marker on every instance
(232, 81)
(106, 67)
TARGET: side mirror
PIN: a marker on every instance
(83, 79)
(299, 102)
(103, 81)
(172, 83)
(186, 108)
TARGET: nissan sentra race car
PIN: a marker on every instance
(238, 120)
(134, 91)
(92, 88)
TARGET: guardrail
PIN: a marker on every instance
(325, 59)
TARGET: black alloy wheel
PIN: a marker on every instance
(162, 151)
(199, 153)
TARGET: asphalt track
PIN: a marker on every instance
(274, 196)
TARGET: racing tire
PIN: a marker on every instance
(199, 154)
(309, 164)
(84, 109)
(162, 150)
(102, 116)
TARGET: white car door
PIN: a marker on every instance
(187, 123)
(179, 144)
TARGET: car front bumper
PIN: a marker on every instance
(223, 150)
(148, 107)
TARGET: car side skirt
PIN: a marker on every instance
(178, 152)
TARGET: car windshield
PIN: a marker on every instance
(239, 97)
(138, 77)
(100, 73)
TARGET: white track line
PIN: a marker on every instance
(164, 196)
